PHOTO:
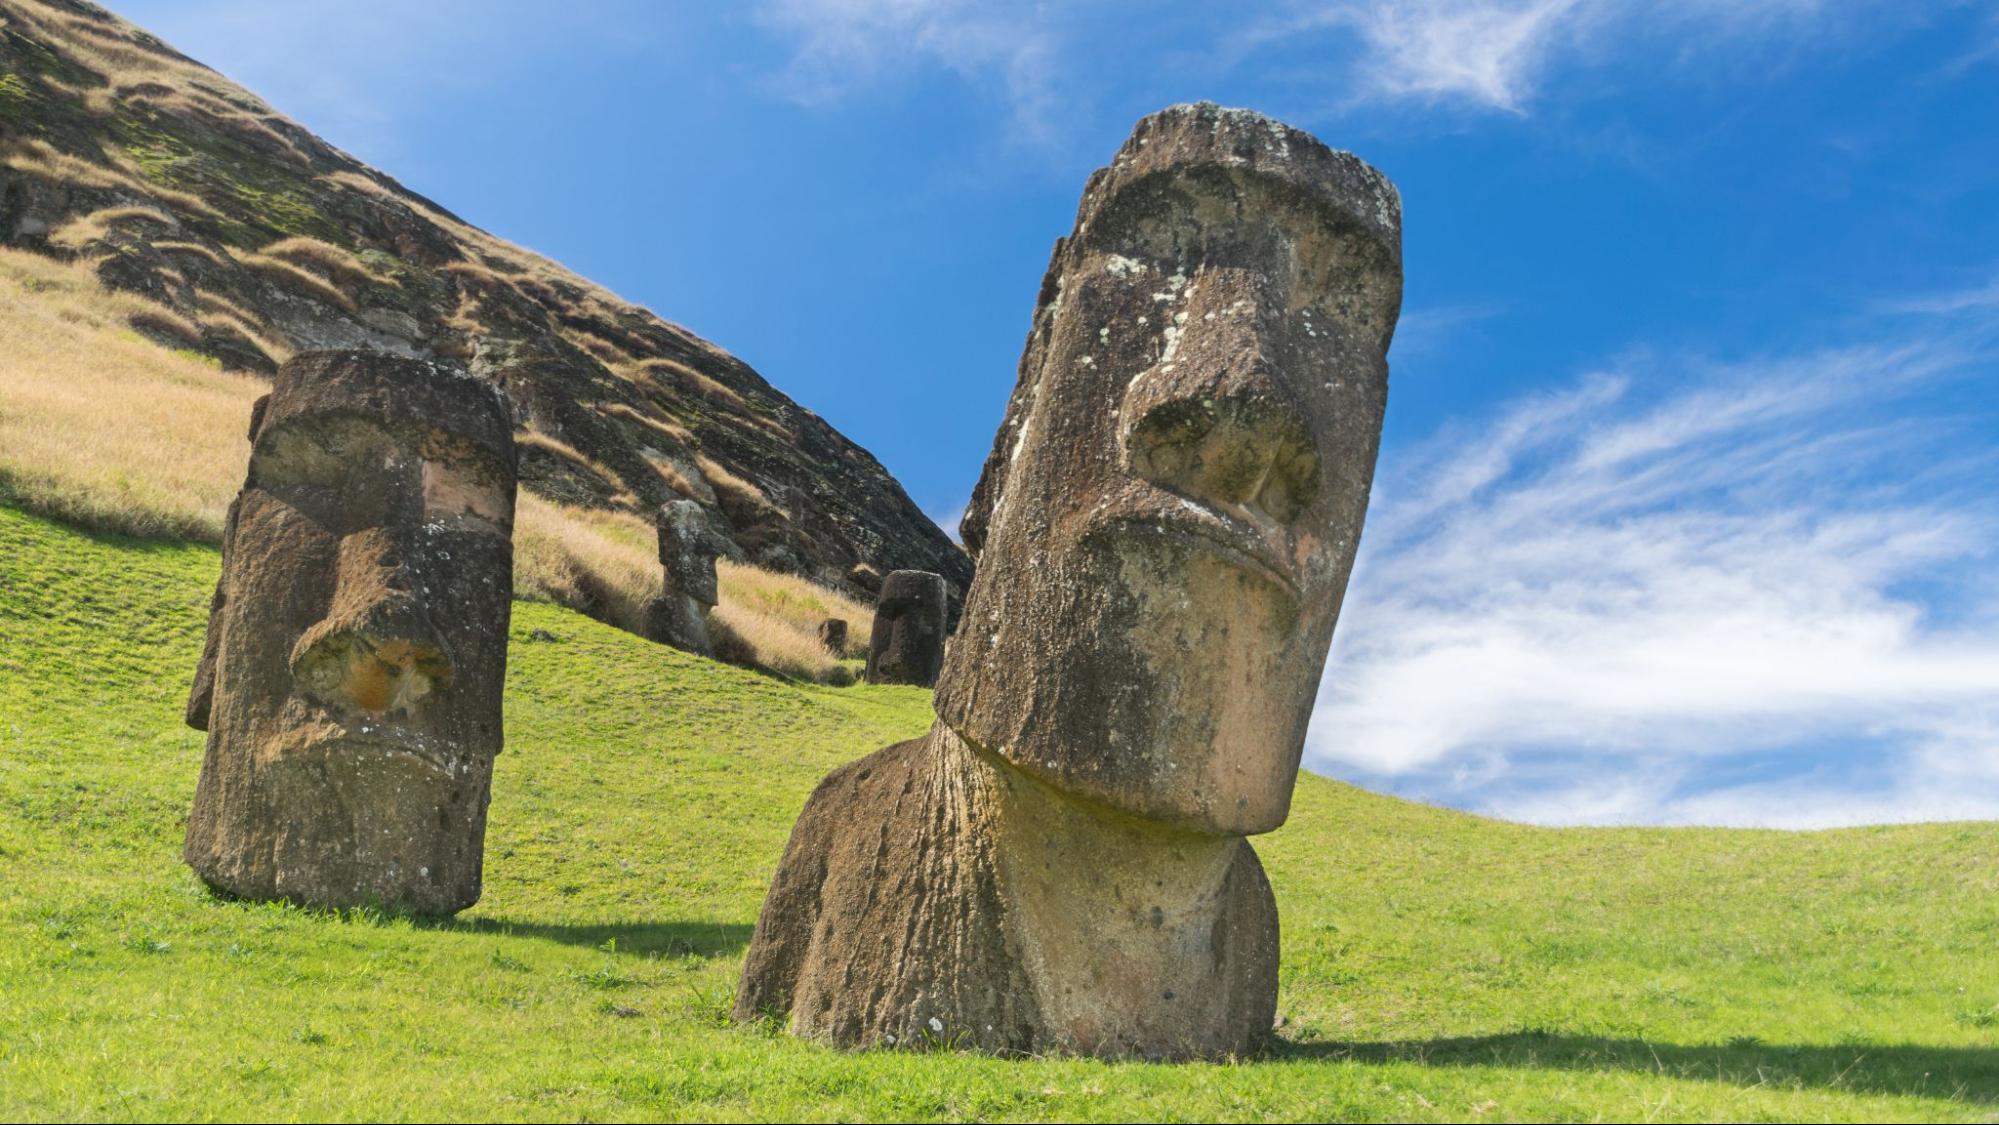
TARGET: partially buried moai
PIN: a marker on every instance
(1164, 527)
(688, 546)
(833, 635)
(350, 686)
(906, 645)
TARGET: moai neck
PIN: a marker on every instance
(1120, 922)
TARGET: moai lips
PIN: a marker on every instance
(1165, 526)
(351, 681)
(907, 643)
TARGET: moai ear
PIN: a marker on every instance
(201, 696)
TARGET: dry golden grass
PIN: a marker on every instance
(99, 425)
(606, 563)
(758, 602)
(340, 266)
(103, 427)
(724, 481)
(86, 229)
(296, 279)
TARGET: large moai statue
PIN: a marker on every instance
(688, 546)
(350, 685)
(1164, 528)
(907, 643)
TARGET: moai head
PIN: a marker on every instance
(1170, 511)
(833, 635)
(359, 639)
(907, 644)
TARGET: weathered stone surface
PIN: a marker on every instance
(1167, 523)
(688, 547)
(833, 634)
(351, 681)
(907, 644)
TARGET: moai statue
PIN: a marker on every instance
(350, 685)
(907, 643)
(688, 545)
(1164, 527)
(833, 635)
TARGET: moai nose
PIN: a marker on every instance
(1216, 419)
(376, 650)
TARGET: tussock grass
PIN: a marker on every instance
(293, 278)
(340, 266)
(86, 229)
(746, 494)
(103, 427)
(114, 173)
(1435, 966)
(607, 563)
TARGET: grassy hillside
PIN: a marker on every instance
(1436, 966)
(243, 237)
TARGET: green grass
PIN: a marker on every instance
(1436, 966)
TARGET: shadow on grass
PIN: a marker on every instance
(664, 939)
(1966, 1073)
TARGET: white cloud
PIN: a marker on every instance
(1597, 607)
(1499, 54)
(844, 45)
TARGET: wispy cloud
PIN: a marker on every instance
(1489, 55)
(844, 45)
(1755, 597)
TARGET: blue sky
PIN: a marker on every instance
(1686, 509)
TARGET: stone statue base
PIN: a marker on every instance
(680, 621)
(932, 894)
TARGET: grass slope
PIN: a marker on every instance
(1435, 965)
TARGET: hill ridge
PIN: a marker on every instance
(258, 238)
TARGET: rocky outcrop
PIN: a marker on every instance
(1166, 525)
(259, 239)
(351, 682)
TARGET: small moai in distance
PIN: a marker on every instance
(688, 546)
(907, 643)
(1164, 530)
(351, 680)
(833, 635)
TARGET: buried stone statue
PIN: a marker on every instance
(906, 644)
(357, 646)
(1165, 528)
(688, 547)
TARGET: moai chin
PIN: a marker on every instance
(906, 645)
(688, 545)
(350, 684)
(1164, 528)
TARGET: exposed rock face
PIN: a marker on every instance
(351, 681)
(260, 237)
(833, 634)
(907, 644)
(688, 547)
(1167, 520)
